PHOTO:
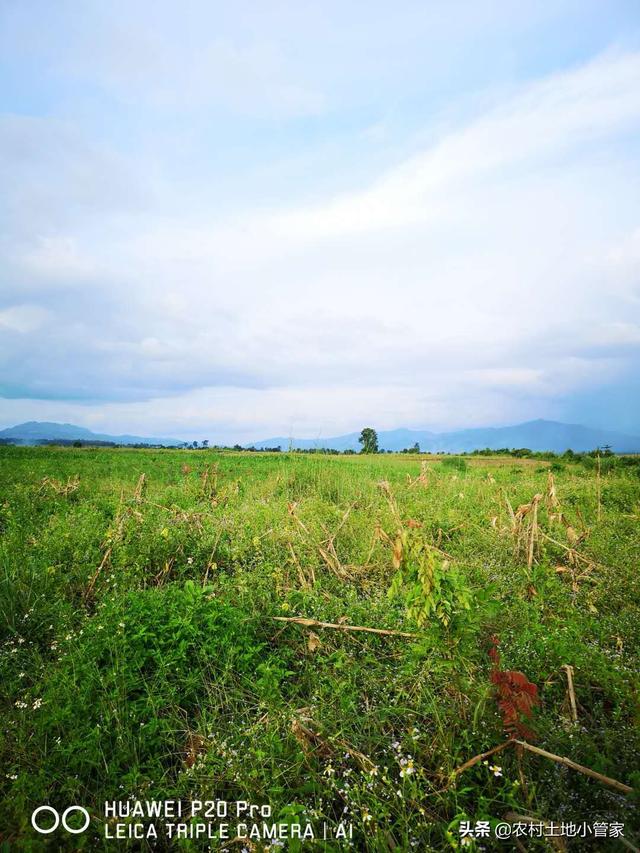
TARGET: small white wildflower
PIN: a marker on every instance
(408, 769)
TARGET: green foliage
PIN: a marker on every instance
(454, 463)
(430, 586)
(369, 440)
(139, 656)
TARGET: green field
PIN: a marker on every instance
(140, 656)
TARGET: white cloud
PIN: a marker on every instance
(57, 257)
(475, 281)
(23, 318)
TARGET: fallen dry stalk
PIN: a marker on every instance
(114, 534)
(140, 488)
(572, 696)
(314, 623)
(60, 488)
(567, 762)
(481, 757)
(328, 551)
(552, 494)
(305, 582)
(312, 741)
(573, 554)
(209, 482)
(421, 479)
(103, 562)
(533, 531)
(525, 528)
(326, 548)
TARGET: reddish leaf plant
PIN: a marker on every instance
(515, 694)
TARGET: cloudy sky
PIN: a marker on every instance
(238, 220)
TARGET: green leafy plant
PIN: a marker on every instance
(455, 463)
(431, 587)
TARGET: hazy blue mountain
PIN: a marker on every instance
(34, 432)
(536, 435)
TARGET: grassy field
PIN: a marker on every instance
(141, 657)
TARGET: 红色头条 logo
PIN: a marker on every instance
(41, 824)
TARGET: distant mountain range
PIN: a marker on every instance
(38, 432)
(536, 435)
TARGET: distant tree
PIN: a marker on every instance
(194, 445)
(414, 449)
(369, 440)
(205, 443)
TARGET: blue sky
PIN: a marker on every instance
(240, 220)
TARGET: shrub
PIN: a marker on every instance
(455, 463)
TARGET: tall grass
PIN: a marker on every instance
(139, 656)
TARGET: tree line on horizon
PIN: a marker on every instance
(368, 440)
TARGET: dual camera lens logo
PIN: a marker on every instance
(44, 825)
